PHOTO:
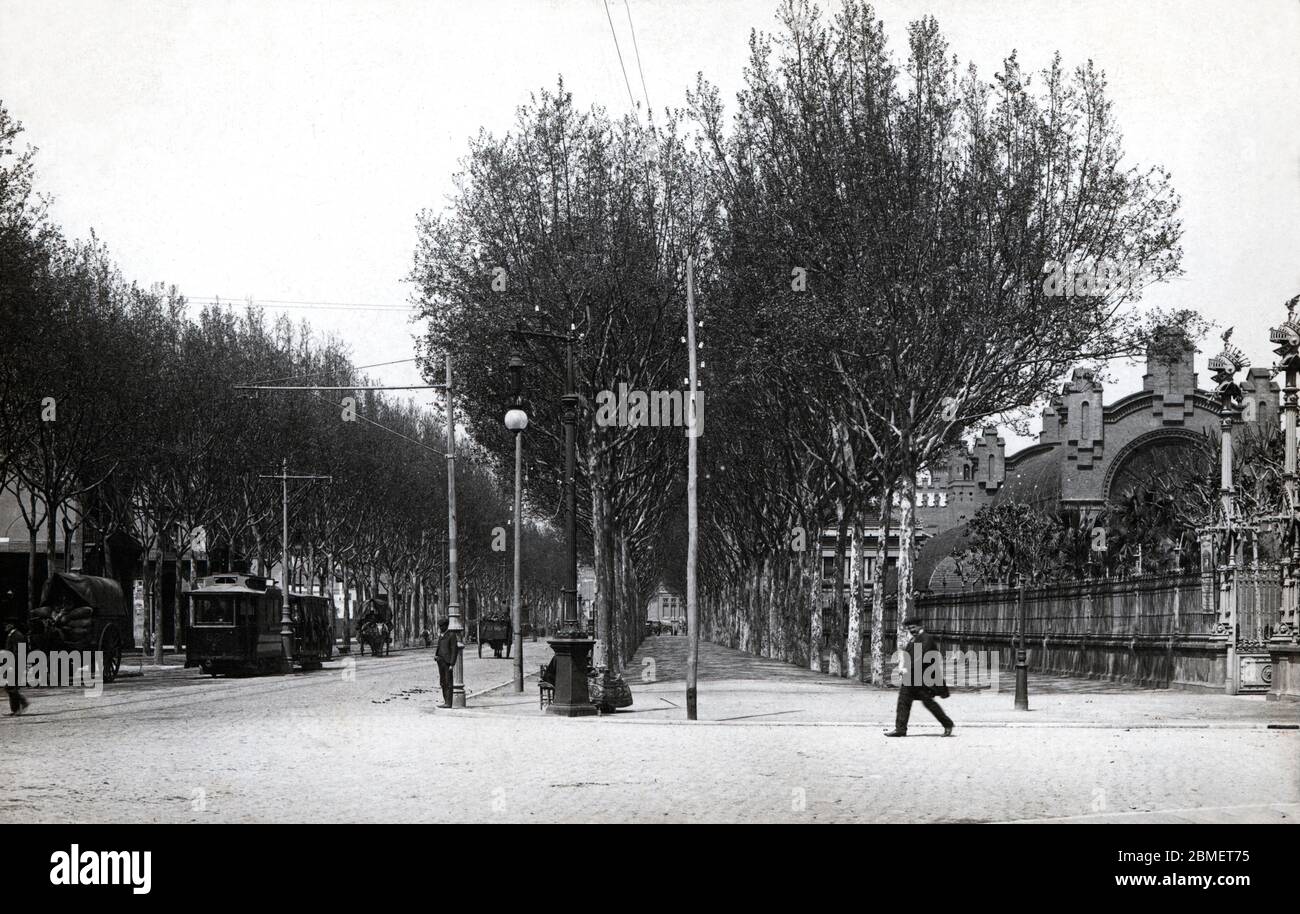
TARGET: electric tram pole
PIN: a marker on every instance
(286, 622)
(454, 622)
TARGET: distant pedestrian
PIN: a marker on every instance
(445, 654)
(17, 700)
(424, 636)
(922, 678)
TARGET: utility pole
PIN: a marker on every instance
(286, 623)
(692, 518)
(453, 608)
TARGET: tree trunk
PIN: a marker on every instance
(67, 542)
(602, 554)
(856, 561)
(51, 542)
(906, 549)
(879, 578)
(347, 611)
(32, 595)
(815, 631)
(836, 667)
(178, 606)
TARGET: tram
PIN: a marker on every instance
(234, 626)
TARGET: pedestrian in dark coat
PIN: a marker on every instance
(922, 678)
(17, 700)
(445, 654)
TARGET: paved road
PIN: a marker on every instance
(366, 743)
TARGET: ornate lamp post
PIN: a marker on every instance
(1225, 366)
(572, 644)
(1283, 648)
(517, 420)
(455, 624)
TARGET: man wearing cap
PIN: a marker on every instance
(922, 678)
(445, 655)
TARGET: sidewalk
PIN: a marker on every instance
(739, 688)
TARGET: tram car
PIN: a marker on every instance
(235, 626)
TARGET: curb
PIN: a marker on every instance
(627, 718)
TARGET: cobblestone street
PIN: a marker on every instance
(364, 742)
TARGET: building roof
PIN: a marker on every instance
(1034, 480)
(933, 553)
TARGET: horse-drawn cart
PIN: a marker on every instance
(497, 633)
(375, 628)
(79, 612)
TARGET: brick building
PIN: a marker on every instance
(1087, 452)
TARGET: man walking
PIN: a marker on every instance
(17, 700)
(445, 654)
(922, 678)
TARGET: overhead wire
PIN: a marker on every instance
(619, 50)
(627, 5)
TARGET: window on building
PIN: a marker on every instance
(1085, 421)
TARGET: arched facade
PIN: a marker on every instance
(1085, 447)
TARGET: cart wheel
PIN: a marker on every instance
(110, 642)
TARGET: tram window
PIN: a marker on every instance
(212, 611)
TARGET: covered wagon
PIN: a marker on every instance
(80, 612)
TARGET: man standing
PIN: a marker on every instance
(922, 678)
(17, 700)
(445, 654)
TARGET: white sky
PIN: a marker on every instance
(281, 150)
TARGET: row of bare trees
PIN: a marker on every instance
(120, 426)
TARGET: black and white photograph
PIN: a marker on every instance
(671, 412)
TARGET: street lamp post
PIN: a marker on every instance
(517, 421)
(454, 623)
(572, 644)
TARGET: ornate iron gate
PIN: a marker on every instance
(1258, 600)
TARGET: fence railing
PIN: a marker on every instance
(1150, 605)
(1161, 605)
